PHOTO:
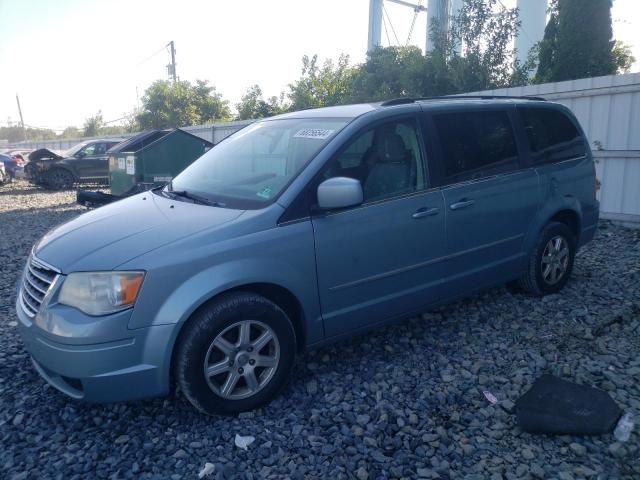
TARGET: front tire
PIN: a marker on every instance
(59, 179)
(235, 354)
(551, 261)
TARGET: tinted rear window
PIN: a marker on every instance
(475, 144)
(552, 135)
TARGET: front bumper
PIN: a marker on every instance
(73, 352)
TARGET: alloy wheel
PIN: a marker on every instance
(555, 260)
(242, 359)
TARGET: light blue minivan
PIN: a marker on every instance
(301, 229)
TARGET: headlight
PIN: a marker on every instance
(100, 293)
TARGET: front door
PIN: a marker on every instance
(94, 163)
(383, 258)
(490, 198)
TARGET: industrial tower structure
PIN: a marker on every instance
(532, 15)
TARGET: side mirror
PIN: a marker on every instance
(339, 192)
(80, 155)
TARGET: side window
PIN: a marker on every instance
(386, 159)
(552, 136)
(89, 149)
(475, 144)
(100, 149)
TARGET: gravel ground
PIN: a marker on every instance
(401, 402)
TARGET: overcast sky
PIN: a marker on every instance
(67, 59)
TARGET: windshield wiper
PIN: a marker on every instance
(192, 196)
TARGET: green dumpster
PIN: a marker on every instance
(152, 158)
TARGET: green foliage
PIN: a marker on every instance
(169, 105)
(486, 30)
(578, 42)
(71, 132)
(330, 84)
(93, 125)
(622, 57)
(252, 105)
(13, 133)
(390, 73)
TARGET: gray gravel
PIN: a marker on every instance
(401, 402)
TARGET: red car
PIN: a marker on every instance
(15, 166)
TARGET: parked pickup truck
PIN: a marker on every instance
(86, 162)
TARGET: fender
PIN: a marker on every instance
(196, 291)
(551, 207)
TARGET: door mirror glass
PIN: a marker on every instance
(339, 192)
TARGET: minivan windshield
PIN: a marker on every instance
(250, 168)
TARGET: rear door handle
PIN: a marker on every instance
(461, 204)
(425, 212)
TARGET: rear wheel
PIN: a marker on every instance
(235, 354)
(59, 179)
(551, 261)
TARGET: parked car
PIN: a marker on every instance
(21, 154)
(13, 165)
(302, 229)
(86, 162)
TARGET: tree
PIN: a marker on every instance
(485, 29)
(169, 105)
(252, 105)
(622, 57)
(578, 42)
(390, 73)
(14, 133)
(71, 132)
(92, 125)
(330, 84)
(548, 46)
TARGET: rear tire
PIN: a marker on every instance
(551, 261)
(59, 179)
(235, 354)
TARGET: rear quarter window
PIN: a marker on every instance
(475, 144)
(552, 136)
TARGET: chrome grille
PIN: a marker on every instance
(36, 282)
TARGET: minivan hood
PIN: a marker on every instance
(111, 235)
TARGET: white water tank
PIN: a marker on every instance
(533, 18)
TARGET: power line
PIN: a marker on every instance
(151, 56)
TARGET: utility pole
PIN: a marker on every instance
(24, 131)
(171, 68)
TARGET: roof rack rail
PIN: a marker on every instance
(405, 100)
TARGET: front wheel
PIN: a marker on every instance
(59, 179)
(551, 261)
(235, 354)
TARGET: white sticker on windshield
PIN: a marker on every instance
(317, 133)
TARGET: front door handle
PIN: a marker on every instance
(461, 204)
(425, 212)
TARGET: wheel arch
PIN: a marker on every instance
(570, 218)
(281, 296)
(567, 212)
